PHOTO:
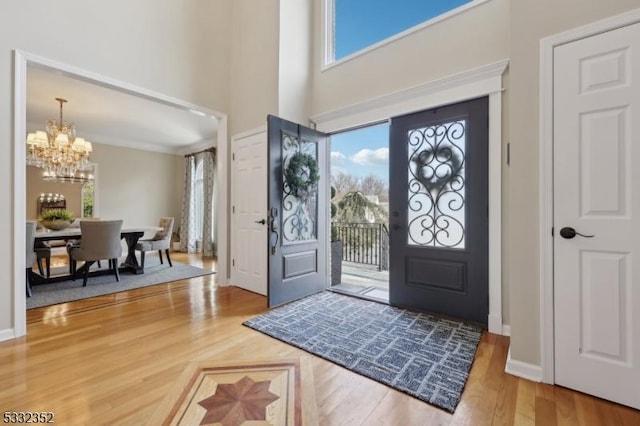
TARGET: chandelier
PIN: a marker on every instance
(57, 150)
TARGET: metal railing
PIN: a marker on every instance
(365, 243)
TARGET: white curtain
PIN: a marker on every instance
(190, 232)
(187, 227)
(208, 217)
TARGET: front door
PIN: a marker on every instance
(298, 219)
(596, 139)
(438, 202)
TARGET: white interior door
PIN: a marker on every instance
(249, 211)
(597, 192)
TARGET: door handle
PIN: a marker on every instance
(274, 229)
(569, 233)
(261, 222)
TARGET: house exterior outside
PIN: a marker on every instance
(250, 58)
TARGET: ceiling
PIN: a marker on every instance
(108, 116)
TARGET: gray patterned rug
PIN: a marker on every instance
(154, 273)
(423, 355)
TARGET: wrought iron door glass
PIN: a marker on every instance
(436, 185)
(300, 210)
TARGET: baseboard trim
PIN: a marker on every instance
(506, 330)
(523, 369)
(495, 324)
(7, 334)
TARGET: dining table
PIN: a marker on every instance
(131, 235)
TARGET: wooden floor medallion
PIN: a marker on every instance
(267, 392)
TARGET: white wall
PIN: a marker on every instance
(176, 48)
(136, 186)
(294, 67)
(254, 64)
(530, 22)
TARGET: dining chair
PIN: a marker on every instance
(75, 242)
(160, 241)
(43, 252)
(99, 240)
(30, 257)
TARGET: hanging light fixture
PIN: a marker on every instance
(58, 151)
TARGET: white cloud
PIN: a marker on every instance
(368, 157)
(338, 158)
(336, 170)
(338, 161)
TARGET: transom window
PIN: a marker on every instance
(354, 26)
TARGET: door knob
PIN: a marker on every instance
(261, 222)
(569, 233)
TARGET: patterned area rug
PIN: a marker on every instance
(154, 273)
(423, 355)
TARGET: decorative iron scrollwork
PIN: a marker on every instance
(436, 185)
(299, 208)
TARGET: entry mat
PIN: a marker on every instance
(423, 355)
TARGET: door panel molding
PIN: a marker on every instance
(298, 264)
(547, 46)
(444, 274)
(474, 83)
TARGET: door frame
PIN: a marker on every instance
(21, 60)
(547, 46)
(474, 83)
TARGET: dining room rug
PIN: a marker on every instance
(423, 355)
(154, 273)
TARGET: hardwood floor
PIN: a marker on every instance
(112, 359)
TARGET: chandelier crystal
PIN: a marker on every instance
(57, 149)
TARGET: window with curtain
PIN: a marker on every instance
(198, 189)
(198, 204)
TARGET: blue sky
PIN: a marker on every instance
(360, 23)
(362, 152)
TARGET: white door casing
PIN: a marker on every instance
(596, 290)
(249, 207)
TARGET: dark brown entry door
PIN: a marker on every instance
(439, 211)
(297, 211)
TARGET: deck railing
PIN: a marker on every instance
(365, 243)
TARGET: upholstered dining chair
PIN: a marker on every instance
(43, 252)
(30, 257)
(74, 242)
(160, 241)
(99, 240)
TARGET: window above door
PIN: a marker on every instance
(353, 27)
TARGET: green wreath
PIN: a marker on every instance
(302, 174)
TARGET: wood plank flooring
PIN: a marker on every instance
(112, 359)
